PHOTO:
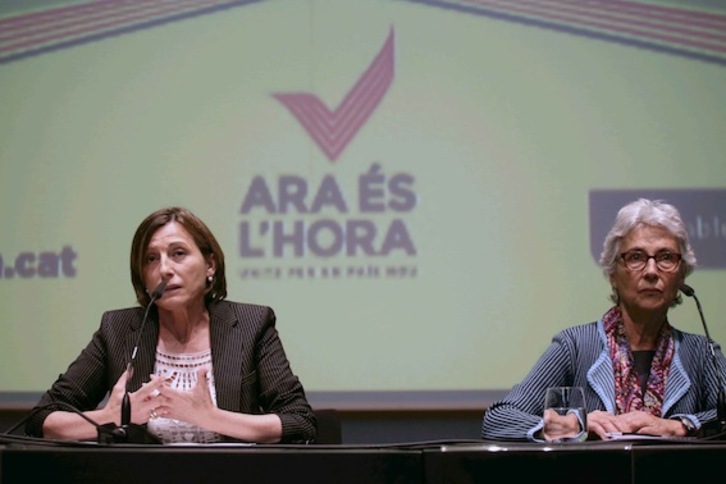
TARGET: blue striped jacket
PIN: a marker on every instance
(578, 356)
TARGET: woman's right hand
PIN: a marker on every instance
(558, 427)
(143, 401)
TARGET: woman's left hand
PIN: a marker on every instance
(194, 406)
(636, 422)
(639, 422)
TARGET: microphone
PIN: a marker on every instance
(107, 434)
(63, 405)
(126, 401)
(720, 423)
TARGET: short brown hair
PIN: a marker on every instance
(203, 238)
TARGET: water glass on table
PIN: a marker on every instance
(565, 416)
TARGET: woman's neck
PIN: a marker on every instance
(642, 328)
(185, 331)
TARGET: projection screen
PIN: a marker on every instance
(420, 189)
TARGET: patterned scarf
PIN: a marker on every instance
(628, 393)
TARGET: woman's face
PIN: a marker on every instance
(649, 289)
(172, 255)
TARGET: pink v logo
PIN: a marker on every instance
(333, 130)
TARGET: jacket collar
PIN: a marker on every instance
(600, 375)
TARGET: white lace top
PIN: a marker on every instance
(185, 365)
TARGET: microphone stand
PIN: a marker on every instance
(108, 432)
(714, 428)
(128, 432)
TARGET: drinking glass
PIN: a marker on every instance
(565, 416)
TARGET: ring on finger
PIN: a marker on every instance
(153, 413)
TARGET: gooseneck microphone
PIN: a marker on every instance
(55, 406)
(126, 401)
(721, 399)
(107, 434)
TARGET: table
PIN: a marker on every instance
(641, 462)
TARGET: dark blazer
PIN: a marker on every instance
(251, 371)
(578, 356)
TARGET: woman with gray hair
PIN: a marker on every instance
(640, 375)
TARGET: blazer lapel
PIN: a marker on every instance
(600, 374)
(227, 350)
(678, 381)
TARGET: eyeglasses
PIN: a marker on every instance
(636, 260)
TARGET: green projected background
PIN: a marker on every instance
(405, 182)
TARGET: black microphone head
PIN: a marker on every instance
(158, 290)
(687, 290)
